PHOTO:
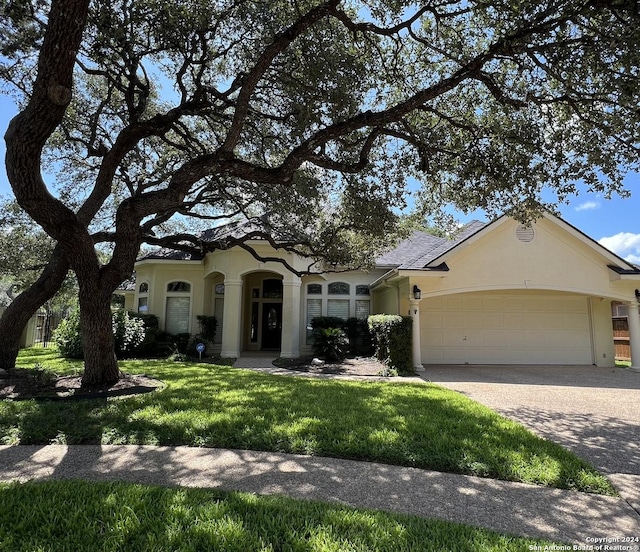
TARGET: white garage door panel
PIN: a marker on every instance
(506, 329)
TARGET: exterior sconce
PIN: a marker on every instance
(417, 293)
(637, 294)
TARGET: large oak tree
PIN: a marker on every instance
(310, 114)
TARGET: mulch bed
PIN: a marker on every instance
(356, 366)
(23, 384)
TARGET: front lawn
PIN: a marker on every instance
(79, 516)
(424, 426)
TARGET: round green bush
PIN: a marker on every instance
(128, 331)
(67, 337)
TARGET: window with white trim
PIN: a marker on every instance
(178, 309)
(143, 297)
(363, 309)
(314, 310)
(336, 299)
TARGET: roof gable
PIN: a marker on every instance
(615, 262)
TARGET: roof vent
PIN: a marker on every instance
(525, 233)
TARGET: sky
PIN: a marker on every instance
(615, 223)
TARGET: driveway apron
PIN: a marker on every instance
(594, 412)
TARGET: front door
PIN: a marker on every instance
(271, 325)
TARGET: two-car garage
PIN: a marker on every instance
(507, 328)
(512, 294)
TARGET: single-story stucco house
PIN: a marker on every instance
(498, 293)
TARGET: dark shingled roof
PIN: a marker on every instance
(235, 230)
(230, 231)
(420, 249)
(166, 254)
(416, 252)
(408, 250)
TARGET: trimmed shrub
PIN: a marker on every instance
(208, 326)
(392, 339)
(355, 330)
(180, 342)
(324, 322)
(151, 321)
(359, 336)
(159, 345)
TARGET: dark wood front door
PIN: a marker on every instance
(271, 325)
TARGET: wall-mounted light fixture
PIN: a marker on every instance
(637, 295)
(417, 293)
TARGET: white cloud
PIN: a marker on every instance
(588, 206)
(624, 244)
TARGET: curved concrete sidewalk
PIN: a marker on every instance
(512, 508)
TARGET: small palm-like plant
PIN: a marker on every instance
(330, 343)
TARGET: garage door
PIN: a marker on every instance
(490, 328)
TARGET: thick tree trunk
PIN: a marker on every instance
(100, 364)
(18, 313)
(10, 333)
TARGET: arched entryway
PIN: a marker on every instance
(263, 311)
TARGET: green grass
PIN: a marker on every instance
(424, 426)
(78, 516)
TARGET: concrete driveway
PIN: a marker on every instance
(595, 412)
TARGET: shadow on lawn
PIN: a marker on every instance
(409, 425)
(527, 510)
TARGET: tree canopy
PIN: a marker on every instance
(312, 113)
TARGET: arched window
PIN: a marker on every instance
(178, 287)
(314, 289)
(339, 288)
(143, 297)
(339, 308)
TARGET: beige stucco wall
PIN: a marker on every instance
(554, 260)
(129, 300)
(241, 273)
(159, 273)
(386, 299)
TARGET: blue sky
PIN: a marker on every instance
(615, 223)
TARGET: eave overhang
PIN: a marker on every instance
(398, 273)
(625, 273)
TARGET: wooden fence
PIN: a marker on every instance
(621, 338)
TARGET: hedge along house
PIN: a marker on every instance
(499, 293)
